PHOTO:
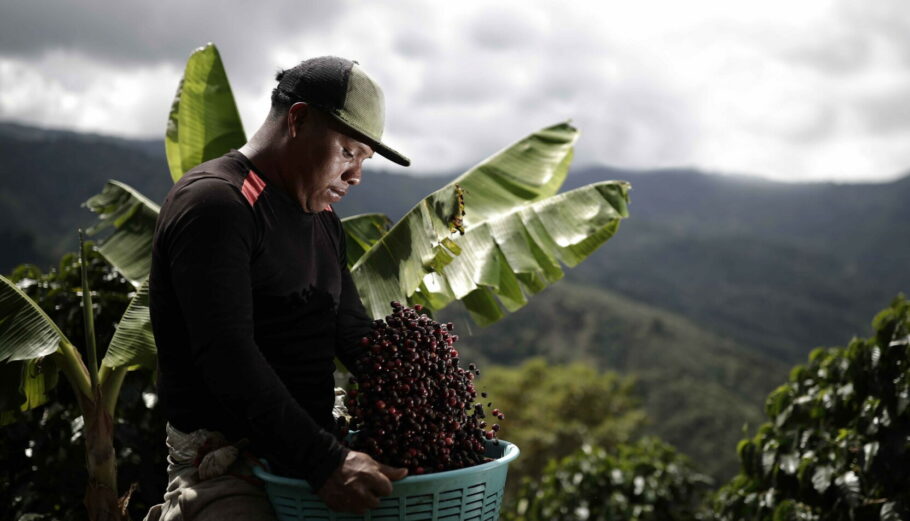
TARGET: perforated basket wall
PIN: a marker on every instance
(471, 494)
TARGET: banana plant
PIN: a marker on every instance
(488, 239)
(34, 351)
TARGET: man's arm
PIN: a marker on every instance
(357, 484)
(353, 321)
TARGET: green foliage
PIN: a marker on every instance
(46, 443)
(130, 218)
(133, 345)
(361, 233)
(693, 385)
(39, 312)
(515, 230)
(836, 446)
(552, 410)
(644, 481)
(27, 338)
(58, 292)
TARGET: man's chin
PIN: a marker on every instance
(324, 205)
(332, 196)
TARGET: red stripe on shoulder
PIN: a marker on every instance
(252, 188)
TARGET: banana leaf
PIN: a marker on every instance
(505, 244)
(132, 218)
(27, 337)
(362, 232)
(25, 385)
(133, 344)
(26, 332)
(203, 123)
(530, 170)
(520, 252)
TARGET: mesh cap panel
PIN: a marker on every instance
(364, 106)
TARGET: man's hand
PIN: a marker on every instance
(358, 483)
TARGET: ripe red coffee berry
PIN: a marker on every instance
(416, 407)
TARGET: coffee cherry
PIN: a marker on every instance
(416, 407)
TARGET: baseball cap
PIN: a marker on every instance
(343, 90)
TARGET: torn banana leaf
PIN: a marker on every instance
(133, 343)
(131, 218)
(494, 234)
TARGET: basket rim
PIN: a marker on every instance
(509, 453)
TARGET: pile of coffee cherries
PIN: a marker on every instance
(412, 404)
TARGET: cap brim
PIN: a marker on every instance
(390, 154)
(380, 148)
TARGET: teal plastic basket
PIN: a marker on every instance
(469, 494)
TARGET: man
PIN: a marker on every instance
(251, 300)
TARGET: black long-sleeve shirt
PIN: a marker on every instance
(250, 301)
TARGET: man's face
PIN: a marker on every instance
(326, 162)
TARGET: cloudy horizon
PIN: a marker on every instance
(811, 91)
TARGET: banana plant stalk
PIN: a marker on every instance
(98, 431)
(88, 315)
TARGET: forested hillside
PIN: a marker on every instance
(783, 268)
(698, 388)
(710, 288)
(45, 176)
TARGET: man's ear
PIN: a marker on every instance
(297, 115)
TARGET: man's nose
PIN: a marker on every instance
(352, 175)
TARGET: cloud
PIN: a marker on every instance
(809, 90)
(885, 24)
(91, 96)
(127, 33)
(498, 27)
(886, 111)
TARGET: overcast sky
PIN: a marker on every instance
(791, 90)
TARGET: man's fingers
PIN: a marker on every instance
(379, 484)
(372, 502)
(360, 482)
(358, 500)
(393, 473)
(367, 501)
